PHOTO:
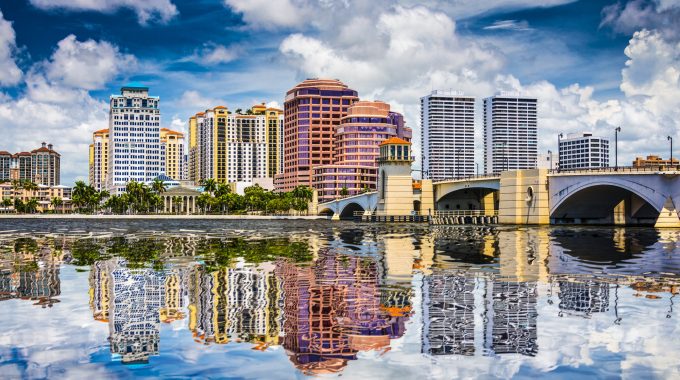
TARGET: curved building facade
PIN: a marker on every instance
(312, 111)
(357, 148)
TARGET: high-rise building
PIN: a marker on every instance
(99, 159)
(447, 120)
(41, 166)
(357, 148)
(583, 152)
(135, 146)
(510, 133)
(171, 156)
(45, 165)
(231, 147)
(172, 148)
(313, 111)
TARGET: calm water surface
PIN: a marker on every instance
(298, 299)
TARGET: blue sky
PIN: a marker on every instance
(592, 64)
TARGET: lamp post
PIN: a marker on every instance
(550, 159)
(559, 151)
(477, 168)
(671, 159)
(616, 148)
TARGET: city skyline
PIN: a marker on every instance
(593, 65)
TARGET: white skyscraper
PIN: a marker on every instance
(583, 152)
(510, 133)
(135, 146)
(448, 135)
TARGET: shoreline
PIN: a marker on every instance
(162, 217)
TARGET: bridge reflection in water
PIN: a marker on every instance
(326, 297)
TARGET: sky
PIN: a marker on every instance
(593, 65)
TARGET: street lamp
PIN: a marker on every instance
(550, 159)
(671, 140)
(477, 168)
(559, 151)
(616, 148)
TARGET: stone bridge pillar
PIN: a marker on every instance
(524, 197)
(427, 197)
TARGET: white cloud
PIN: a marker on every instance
(415, 50)
(271, 14)
(56, 105)
(509, 25)
(196, 101)
(88, 65)
(10, 74)
(634, 15)
(146, 10)
(332, 14)
(214, 54)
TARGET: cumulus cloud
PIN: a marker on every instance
(146, 10)
(634, 15)
(10, 74)
(56, 105)
(271, 14)
(414, 50)
(303, 14)
(88, 65)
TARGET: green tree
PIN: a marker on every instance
(209, 185)
(344, 191)
(19, 206)
(31, 206)
(7, 203)
(158, 186)
(56, 202)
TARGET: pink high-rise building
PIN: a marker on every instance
(356, 147)
(313, 110)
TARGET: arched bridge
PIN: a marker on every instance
(606, 196)
(613, 197)
(346, 207)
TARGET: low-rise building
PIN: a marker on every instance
(653, 160)
(43, 194)
(583, 152)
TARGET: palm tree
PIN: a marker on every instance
(158, 186)
(56, 202)
(31, 206)
(210, 185)
(7, 203)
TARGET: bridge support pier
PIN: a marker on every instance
(668, 218)
(524, 197)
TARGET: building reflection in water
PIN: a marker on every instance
(583, 298)
(238, 304)
(474, 314)
(479, 290)
(335, 308)
(32, 274)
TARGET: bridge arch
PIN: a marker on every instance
(348, 211)
(604, 201)
(327, 211)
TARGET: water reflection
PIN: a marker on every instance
(325, 298)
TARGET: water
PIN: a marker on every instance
(297, 299)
